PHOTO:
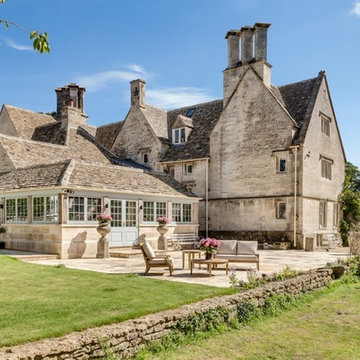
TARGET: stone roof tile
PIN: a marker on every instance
(25, 121)
(197, 146)
(107, 134)
(33, 177)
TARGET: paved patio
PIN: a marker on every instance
(270, 261)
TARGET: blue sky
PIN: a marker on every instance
(178, 47)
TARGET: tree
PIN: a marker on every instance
(40, 40)
(350, 201)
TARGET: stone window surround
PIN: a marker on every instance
(322, 214)
(189, 167)
(335, 215)
(326, 167)
(281, 210)
(281, 165)
(325, 123)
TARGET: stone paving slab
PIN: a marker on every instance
(270, 261)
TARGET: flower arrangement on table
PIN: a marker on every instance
(209, 245)
(103, 218)
(162, 220)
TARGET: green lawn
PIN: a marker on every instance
(44, 301)
(326, 328)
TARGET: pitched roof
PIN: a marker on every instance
(198, 142)
(107, 134)
(74, 174)
(299, 99)
(25, 121)
(51, 133)
(157, 120)
(24, 153)
(122, 179)
(33, 177)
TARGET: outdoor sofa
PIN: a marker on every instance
(241, 251)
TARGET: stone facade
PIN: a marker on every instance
(256, 154)
(126, 338)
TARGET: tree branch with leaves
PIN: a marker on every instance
(40, 40)
(350, 202)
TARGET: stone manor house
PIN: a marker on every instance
(264, 162)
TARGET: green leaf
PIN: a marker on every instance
(6, 24)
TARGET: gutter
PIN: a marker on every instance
(295, 148)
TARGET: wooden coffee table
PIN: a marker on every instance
(210, 264)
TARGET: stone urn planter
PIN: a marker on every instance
(162, 242)
(103, 244)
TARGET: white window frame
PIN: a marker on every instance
(16, 221)
(44, 220)
(177, 132)
(156, 210)
(182, 213)
(85, 221)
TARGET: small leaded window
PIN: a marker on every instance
(281, 210)
(176, 212)
(326, 168)
(94, 208)
(282, 165)
(325, 125)
(322, 213)
(76, 208)
(10, 208)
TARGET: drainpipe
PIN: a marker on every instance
(295, 148)
(207, 197)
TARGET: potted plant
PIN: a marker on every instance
(162, 220)
(209, 246)
(2, 243)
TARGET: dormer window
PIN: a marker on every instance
(179, 136)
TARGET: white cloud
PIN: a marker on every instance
(356, 9)
(137, 68)
(17, 46)
(101, 80)
(176, 97)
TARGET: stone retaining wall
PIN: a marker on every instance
(125, 338)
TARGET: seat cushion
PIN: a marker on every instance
(246, 247)
(148, 250)
(227, 247)
(164, 262)
(237, 257)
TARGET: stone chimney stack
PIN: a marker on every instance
(70, 106)
(247, 35)
(137, 93)
(70, 94)
(260, 30)
(233, 38)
